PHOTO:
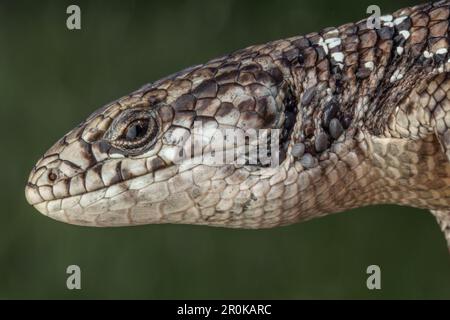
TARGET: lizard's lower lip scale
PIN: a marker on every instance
(364, 116)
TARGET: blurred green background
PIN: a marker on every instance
(52, 78)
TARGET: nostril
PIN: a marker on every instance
(52, 176)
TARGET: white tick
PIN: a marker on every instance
(427, 54)
(338, 56)
(442, 51)
(332, 34)
(333, 42)
(405, 34)
(400, 50)
(399, 20)
(386, 18)
(388, 24)
(369, 65)
(396, 76)
(323, 45)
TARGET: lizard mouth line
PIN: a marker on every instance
(117, 188)
(243, 155)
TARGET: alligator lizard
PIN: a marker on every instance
(362, 115)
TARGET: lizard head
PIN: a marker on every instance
(122, 166)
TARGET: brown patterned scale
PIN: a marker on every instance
(363, 116)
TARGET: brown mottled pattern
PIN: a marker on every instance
(364, 115)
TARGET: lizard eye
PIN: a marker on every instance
(138, 133)
(134, 131)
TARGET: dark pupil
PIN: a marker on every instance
(137, 130)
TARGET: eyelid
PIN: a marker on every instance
(119, 126)
(123, 120)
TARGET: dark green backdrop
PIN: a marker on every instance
(52, 78)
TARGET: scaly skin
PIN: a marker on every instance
(364, 116)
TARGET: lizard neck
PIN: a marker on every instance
(411, 172)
